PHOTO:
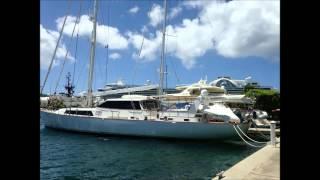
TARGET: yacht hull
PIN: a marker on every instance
(150, 128)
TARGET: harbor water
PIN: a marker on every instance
(65, 155)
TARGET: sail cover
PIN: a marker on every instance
(221, 112)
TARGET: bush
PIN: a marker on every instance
(55, 103)
(266, 100)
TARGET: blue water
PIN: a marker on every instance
(65, 155)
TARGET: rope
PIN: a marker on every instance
(248, 136)
(245, 140)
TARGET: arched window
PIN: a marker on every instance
(225, 83)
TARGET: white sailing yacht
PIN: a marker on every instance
(137, 115)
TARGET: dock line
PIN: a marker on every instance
(248, 136)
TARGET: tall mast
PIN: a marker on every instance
(92, 54)
(163, 48)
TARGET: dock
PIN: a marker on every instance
(261, 165)
(265, 131)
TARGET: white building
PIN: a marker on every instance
(233, 86)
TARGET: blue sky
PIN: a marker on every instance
(205, 38)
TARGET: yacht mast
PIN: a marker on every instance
(163, 48)
(92, 54)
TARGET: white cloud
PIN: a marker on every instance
(48, 41)
(144, 29)
(115, 38)
(233, 29)
(155, 15)
(115, 56)
(196, 3)
(150, 47)
(245, 28)
(134, 10)
(174, 12)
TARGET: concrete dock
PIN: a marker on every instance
(265, 131)
(261, 165)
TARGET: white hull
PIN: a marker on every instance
(151, 128)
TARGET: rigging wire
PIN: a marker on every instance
(85, 63)
(56, 48)
(107, 41)
(139, 55)
(81, 70)
(75, 57)
(98, 67)
(135, 64)
(76, 49)
(66, 55)
(107, 60)
(171, 61)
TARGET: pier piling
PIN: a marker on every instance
(273, 133)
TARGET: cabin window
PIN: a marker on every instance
(195, 92)
(186, 119)
(182, 105)
(85, 113)
(150, 105)
(121, 105)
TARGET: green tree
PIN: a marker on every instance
(266, 100)
(55, 103)
(248, 87)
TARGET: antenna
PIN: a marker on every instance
(69, 86)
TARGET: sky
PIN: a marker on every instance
(204, 39)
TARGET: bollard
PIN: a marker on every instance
(273, 133)
(220, 175)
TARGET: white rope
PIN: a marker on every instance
(244, 139)
(248, 136)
